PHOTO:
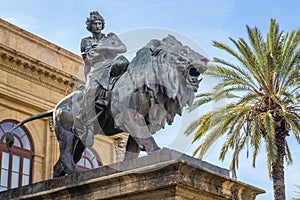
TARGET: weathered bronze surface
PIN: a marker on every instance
(137, 97)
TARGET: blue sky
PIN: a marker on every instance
(62, 22)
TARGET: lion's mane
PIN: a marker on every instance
(155, 75)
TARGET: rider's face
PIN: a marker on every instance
(96, 26)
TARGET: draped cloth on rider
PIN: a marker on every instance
(100, 79)
(84, 112)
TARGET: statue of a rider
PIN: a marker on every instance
(102, 67)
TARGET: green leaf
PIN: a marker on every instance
(260, 85)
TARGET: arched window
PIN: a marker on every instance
(16, 164)
(88, 161)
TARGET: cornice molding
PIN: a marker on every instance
(32, 69)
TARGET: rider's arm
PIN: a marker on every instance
(113, 43)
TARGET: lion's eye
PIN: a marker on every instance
(183, 52)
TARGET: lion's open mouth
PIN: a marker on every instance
(193, 73)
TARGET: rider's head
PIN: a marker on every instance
(94, 15)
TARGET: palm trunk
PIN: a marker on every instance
(278, 179)
(278, 165)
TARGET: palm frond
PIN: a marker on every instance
(256, 136)
(257, 43)
(246, 61)
(204, 125)
(233, 128)
(261, 85)
(236, 68)
(293, 119)
(192, 127)
(271, 147)
(201, 99)
(230, 76)
(288, 158)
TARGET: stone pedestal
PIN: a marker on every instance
(164, 175)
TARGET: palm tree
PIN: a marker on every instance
(262, 88)
(298, 193)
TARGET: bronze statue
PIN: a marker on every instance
(138, 99)
(98, 52)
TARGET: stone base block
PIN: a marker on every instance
(163, 175)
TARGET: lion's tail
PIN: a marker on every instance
(9, 134)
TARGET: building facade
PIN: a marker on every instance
(34, 76)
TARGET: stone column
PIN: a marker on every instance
(120, 148)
